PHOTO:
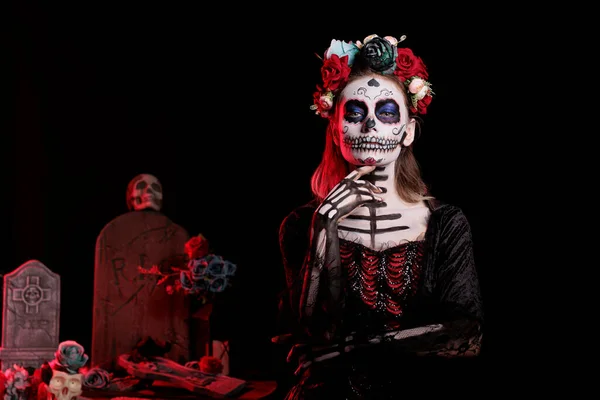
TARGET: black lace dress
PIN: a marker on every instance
(417, 283)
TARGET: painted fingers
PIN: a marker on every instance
(360, 171)
(352, 192)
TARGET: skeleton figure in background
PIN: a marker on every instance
(144, 192)
(374, 262)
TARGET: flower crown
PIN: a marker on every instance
(380, 55)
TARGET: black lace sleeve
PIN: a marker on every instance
(456, 282)
(294, 239)
(451, 289)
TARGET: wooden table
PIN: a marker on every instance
(163, 390)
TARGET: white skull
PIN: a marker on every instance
(65, 386)
(144, 191)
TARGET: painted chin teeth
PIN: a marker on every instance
(371, 143)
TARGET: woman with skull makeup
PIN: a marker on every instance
(378, 271)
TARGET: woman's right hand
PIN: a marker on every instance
(351, 193)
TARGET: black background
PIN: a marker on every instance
(216, 105)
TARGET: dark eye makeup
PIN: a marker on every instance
(387, 111)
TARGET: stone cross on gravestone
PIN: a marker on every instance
(30, 316)
(32, 295)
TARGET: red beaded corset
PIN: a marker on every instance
(383, 280)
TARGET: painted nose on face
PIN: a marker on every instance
(368, 125)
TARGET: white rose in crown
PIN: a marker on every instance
(419, 88)
(326, 101)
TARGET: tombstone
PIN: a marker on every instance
(30, 316)
(129, 305)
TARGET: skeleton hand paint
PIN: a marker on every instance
(344, 198)
(144, 191)
(306, 355)
(348, 195)
(460, 338)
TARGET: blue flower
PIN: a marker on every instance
(185, 280)
(197, 267)
(207, 274)
(96, 378)
(217, 285)
(229, 268)
(342, 49)
(215, 265)
(70, 355)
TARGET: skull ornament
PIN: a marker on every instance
(65, 386)
(144, 191)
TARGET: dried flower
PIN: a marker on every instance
(211, 365)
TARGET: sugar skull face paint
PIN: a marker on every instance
(374, 122)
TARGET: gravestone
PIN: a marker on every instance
(30, 316)
(129, 305)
